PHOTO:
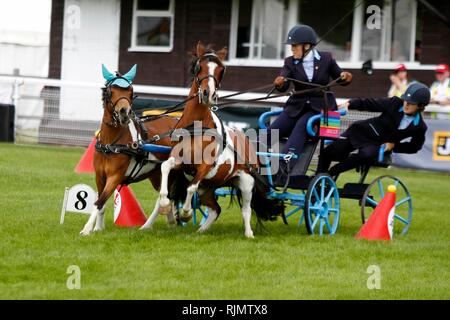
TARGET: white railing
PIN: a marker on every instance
(157, 90)
(69, 112)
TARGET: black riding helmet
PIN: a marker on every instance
(417, 93)
(301, 34)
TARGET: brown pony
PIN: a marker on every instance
(117, 160)
(213, 154)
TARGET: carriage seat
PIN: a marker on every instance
(305, 156)
(384, 159)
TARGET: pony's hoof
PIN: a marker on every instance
(85, 232)
(185, 219)
(201, 230)
(185, 215)
(172, 224)
(249, 235)
(165, 210)
(98, 229)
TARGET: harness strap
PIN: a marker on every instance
(224, 132)
(316, 88)
(117, 149)
(140, 124)
(190, 128)
(268, 86)
(133, 175)
(160, 136)
(177, 107)
(195, 131)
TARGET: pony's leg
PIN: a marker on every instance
(186, 211)
(209, 200)
(171, 218)
(212, 216)
(164, 202)
(97, 214)
(245, 184)
(111, 184)
(151, 220)
(88, 227)
(100, 221)
(202, 171)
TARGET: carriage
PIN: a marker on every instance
(317, 200)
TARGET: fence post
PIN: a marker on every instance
(15, 100)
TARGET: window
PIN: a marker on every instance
(320, 15)
(261, 27)
(395, 40)
(152, 28)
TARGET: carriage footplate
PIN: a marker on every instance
(353, 190)
(295, 182)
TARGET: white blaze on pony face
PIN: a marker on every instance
(211, 83)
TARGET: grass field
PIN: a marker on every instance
(284, 263)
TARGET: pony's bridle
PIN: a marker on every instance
(112, 105)
(214, 58)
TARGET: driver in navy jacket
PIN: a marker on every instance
(310, 66)
(400, 120)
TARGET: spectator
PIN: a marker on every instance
(399, 80)
(440, 90)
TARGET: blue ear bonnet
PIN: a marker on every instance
(116, 80)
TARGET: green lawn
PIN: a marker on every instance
(284, 263)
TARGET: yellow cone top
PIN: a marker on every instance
(392, 188)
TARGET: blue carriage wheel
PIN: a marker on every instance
(322, 206)
(403, 202)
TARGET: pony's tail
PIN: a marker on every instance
(178, 188)
(235, 196)
(264, 207)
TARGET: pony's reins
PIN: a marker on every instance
(317, 87)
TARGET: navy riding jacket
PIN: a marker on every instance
(384, 128)
(325, 69)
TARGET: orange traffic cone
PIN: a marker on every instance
(127, 210)
(380, 225)
(86, 163)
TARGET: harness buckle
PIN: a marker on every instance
(156, 138)
(133, 145)
(287, 157)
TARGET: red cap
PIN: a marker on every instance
(442, 68)
(400, 67)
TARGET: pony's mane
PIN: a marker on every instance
(194, 58)
(104, 95)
